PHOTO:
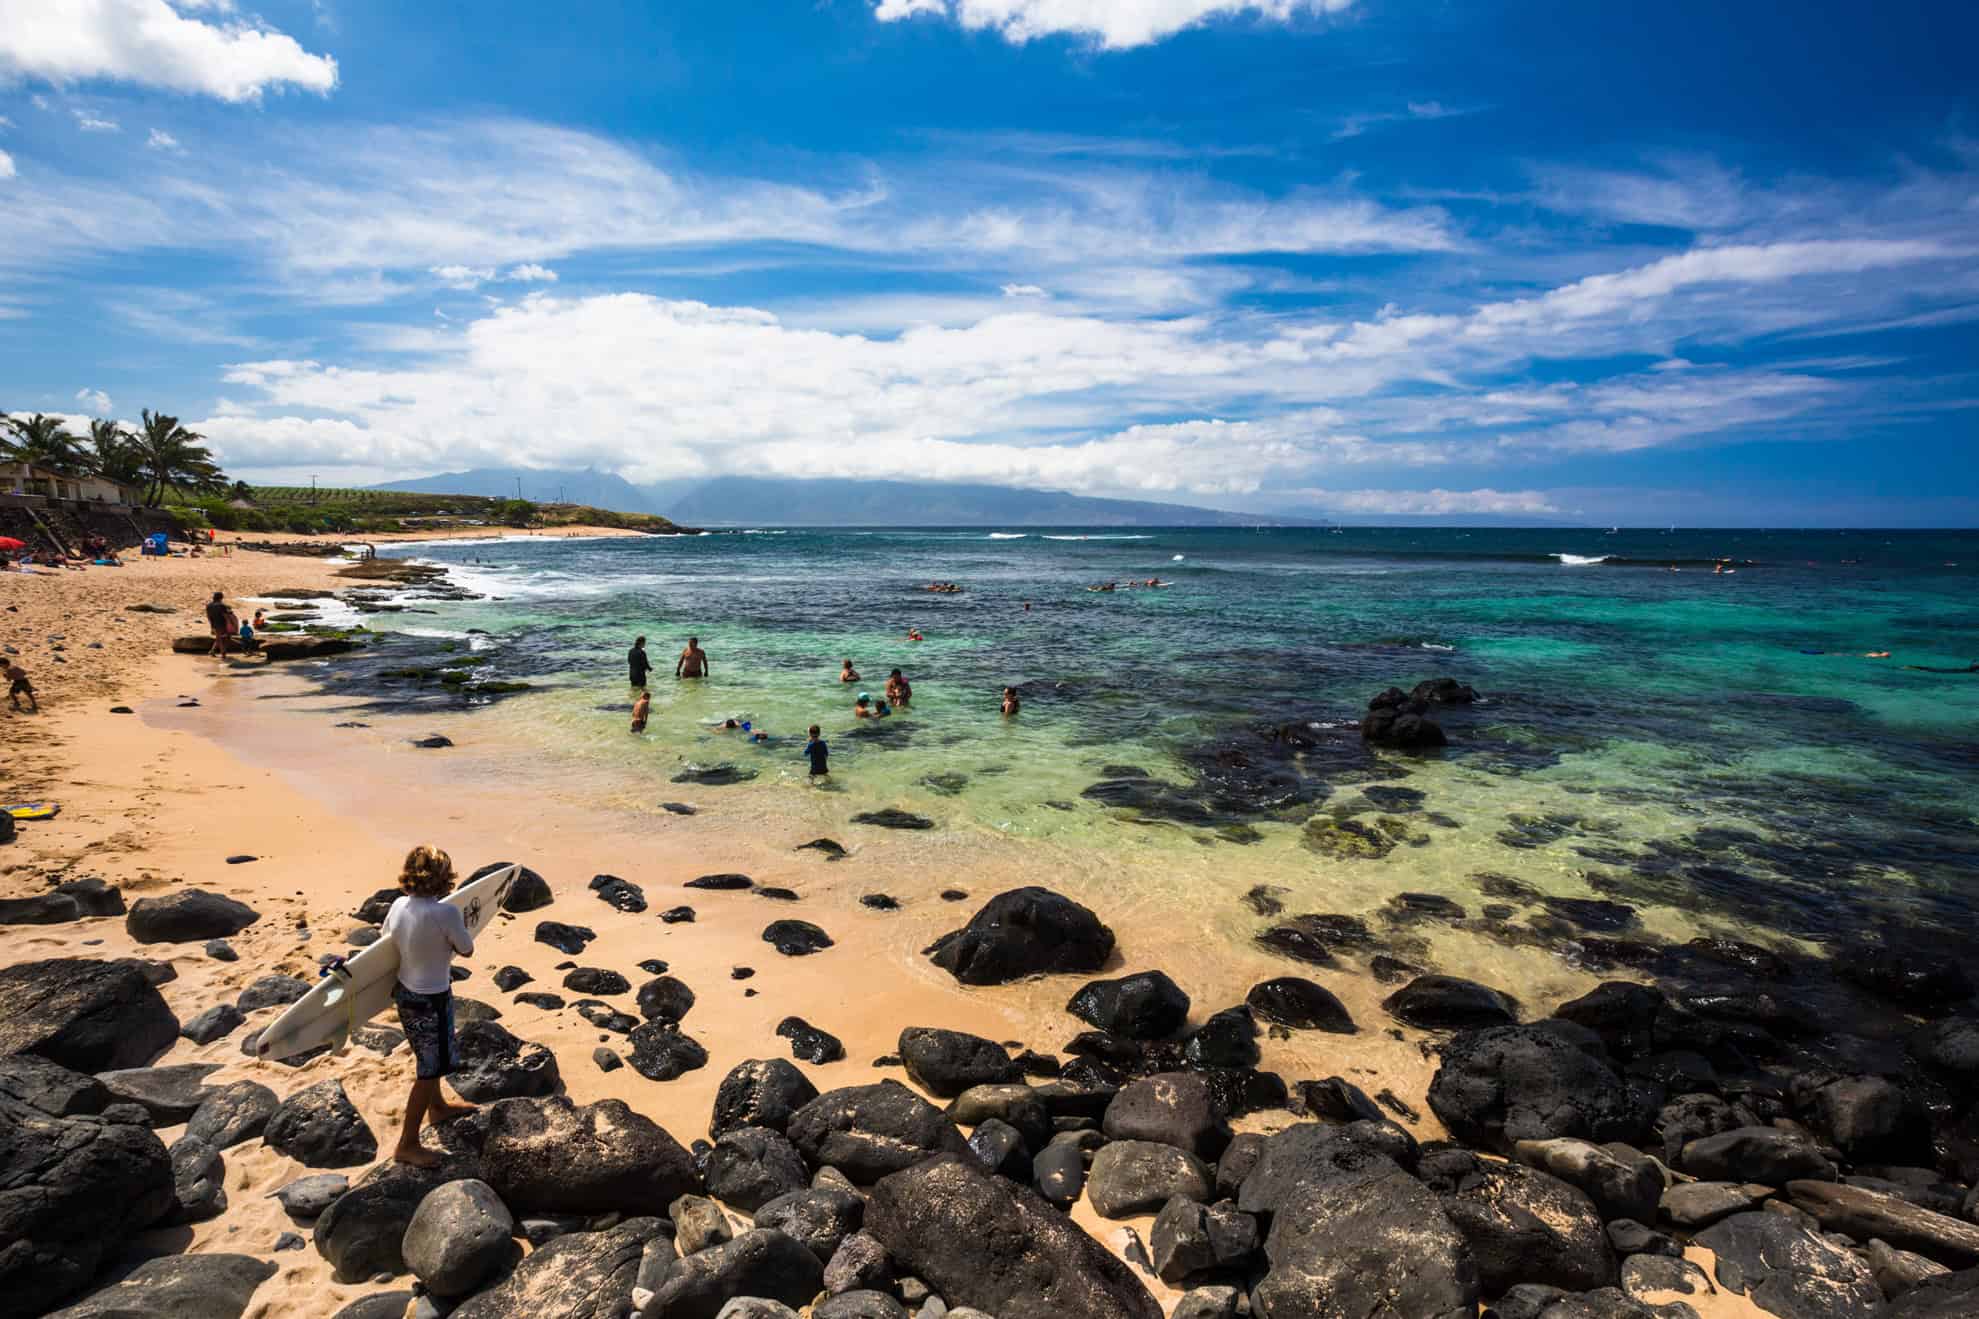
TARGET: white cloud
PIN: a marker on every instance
(1023, 291)
(154, 44)
(1112, 24)
(6, 166)
(98, 401)
(93, 123)
(160, 140)
(531, 273)
(463, 277)
(1354, 125)
(1421, 503)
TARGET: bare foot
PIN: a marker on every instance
(439, 1113)
(417, 1156)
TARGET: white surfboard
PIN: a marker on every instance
(343, 1001)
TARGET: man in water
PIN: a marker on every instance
(1010, 702)
(818, 753)
(693, 661)
(898, 691)
(218, 618)
(637, 662)
(640, 709)
(847, 673)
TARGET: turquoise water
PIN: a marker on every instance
(1662, 738)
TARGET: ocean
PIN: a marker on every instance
(1652, 754)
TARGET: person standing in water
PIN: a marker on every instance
(1010, 702)
(847, 673)
(818, 753)
(898, 691)
(636, 661)
(428, 933)
(693, 661)
(640, 709)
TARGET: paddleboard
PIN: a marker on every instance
(343, 1001)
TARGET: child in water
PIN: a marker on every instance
(640, 709)
(1010, 702)
(818, 753)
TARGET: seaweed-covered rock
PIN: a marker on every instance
(1024, 932)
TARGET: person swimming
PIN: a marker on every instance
(1010, 702)
(913, 634)
(847, 673)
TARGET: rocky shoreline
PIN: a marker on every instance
(1825, 1160)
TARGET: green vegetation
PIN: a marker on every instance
(356, 512)
(163, 457)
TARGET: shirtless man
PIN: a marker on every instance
(18, 686)
(640, 709)
(693, 661)
(847, 673)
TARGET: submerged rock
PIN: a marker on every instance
(1449, 1003)
(893, 818)
(1301, 1004)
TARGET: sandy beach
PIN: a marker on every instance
(204, 770)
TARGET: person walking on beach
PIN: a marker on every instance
(18, 686)
(818, 753)
(636, 661)
(220, 619)
(428, 933)
(640, 709)
(693, 661)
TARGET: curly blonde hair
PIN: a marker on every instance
(428, 872)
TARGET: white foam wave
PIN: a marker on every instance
(1009, 535)
(1582, 560)
(1103, 537)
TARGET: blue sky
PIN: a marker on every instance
(1690, 262)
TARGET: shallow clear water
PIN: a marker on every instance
(1664, 738)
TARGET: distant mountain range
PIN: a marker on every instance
(755, 501)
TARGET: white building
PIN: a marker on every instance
(19, 478)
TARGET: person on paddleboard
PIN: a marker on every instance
(428, 933)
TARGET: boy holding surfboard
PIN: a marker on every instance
(427, 932)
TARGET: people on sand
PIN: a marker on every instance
(693, 661)
(18, 686)
(637, 663)
(218, 617)
(898, 691)
(428, 933)
(818, 753)
(846, 673)
(1010, 702)
(640, 709)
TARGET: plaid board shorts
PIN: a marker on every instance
(428, 1021)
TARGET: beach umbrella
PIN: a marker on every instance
(9, 543)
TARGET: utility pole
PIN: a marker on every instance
(312, 489)
(518, 486)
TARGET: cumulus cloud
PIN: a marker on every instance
(6, 166)
(1023, 291)
(1423, 503)
(531, 273)
(462, 277)
(1110, 24)
(155, 43)
(160, 140)
(94, 123)
(98, 401)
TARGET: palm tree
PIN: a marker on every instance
(243, 492)
(44, 441)
(172, 457)
(115, 455)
